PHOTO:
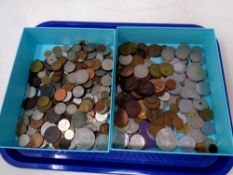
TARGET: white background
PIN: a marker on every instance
(14, 15)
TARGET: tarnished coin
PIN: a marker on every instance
(183, 51)
(36, 66)
(106, 80)
(24, 140)
(52, 116)
(195, 72)
(202, 88)
(60, 108)
(136, 141)
(206, 114)
(186, 143)
(63, 125)
(166, 139)
(154, 71)
(78, 91)
(141, 71)
(168, 53)
(101, 142)
(133, 126)
(78, 120)
(84, 138)
(52, 134)
(120, 139)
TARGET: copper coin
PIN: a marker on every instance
(132, 108)
(155, 116)
(97, 64)
(99, 106)
(90, 72)
(136, 94)
(152, 102)
(36, 140)
(101, 48)
(126, 71)
(153, 129)
(155, 50)
(137, 59)
(170, 84)
(36, 123)
(104, 128)
(56, 66)
(146, 88)
(60, 94)
(177, 123)
(121, 118)
(159, 85)
(200, 147)
(68, 86)
(129, 83)
(62, 60)
(52, 134)
(144, 47)
(168, 117)
(90, 63)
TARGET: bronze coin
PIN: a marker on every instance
(90, 72)
(144, 47)
(153, 129)
(60, 94)
(68, 86)
(159, 85)
(126, 71)
(101, 48)
(62, 60)
(174, 107)
(129, 83)
(155, 50)
(36, 140)
(155, 116)
(136, 95)
(152, 102)
(97, 64)
(90, 63)
(132, 108)
(121, 118)
(36, 123)
(168, 117)
(99, 106)
(146, 88)
(120, 98)
(137, 59)
(177, 123)
(170, 84)
(57, 65)
(200, 147)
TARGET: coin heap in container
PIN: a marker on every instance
(162, 103)
(68, 99)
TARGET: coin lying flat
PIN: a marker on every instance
(186, 143)
(136, 141)
(101, 142)
(84, 138)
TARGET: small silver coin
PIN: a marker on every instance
(195, 72)
(101, 142)
(106, 80)
(196, 122)
(166, 139)
(60, 108)
(68, 96)
(91, 55)
(42, 73)
(77, 101)
(208, 128)
(69, 67)
(69, 134)
(183, 51)
(179, 67)
(186, 143)
(70, 55)
(141, 71)
(37, 115)
(168, 53)
(203, 88)
(31, 131)
(136, 141)
(120, 139)
(185, 106)
(24, 140)
(125, 60)
(133, 126)
(78, 91)
(197, 135)
(71, 108)
(84, 138)
(63, 125)
(101, 117)
(107, 64)
(200, 104)
(30, 92)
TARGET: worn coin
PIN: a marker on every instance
(183, 51)
(84, 138)
(168, 53)
(120, 139)
(101, 142)
(52, 134)
(141, 71)
(202, 88)
(195, 72)
(60, 108)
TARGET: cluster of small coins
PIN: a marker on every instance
(68, 99)
(162, 105)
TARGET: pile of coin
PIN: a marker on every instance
(68, 99)
(162, 103)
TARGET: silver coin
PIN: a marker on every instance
(190, 84)
(101, 117)
(107, 51)
(30, 92)
(99, 56)
(208, 128)
(71, 108)
(120, 139)
(100, 72)
(78, 120)
(69, 67)
(179, 67)
(186, 143)
(200, 104)
(76, 48)
(181, 77)
(28, 112)
(51, 59)
(45, 126)
(24, 140)
(141, 71)
(70, 55)
(196, 49)
(195, 72)
(168, 53)
(63, 125)
(182, 117)
(26, 120)
(82, 76)
(185, 106)
(166, 139)
(101, 142)
(189, 93)
(196, 57)
(197, 135)
(106, 80)
(125, 60)
(60, 108)
(84, 138)
(31, 131)
(69, 134)
(133, 126)
(78, 91)
(77, 101)
(107, 64)
(203, 88)
(165, 97)
(37, 115)
(124, 129)
(68, 96)
(91, 55)
(42, 73)
(183, 51)
(136, 141)
(196, 122)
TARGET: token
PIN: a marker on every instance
(69, 134)
(132, 108)
(125, 60)
(63, 125)
(195, 72)
(120, 139)
(183, 51)
(202, 88)
(208, 128)
(186, 143)
(196, 122)
(155, 50)
(166, 139)
(168, 53)
(140, 71)
(52, 134)
(60, 108)
(24, 140)
(166, 69)
(84, 138)
(206, 114)
(136, 141)
(133, 126)
(101, 142)
(36, 140)
(30, 92)
(107, 64)
(60, 94)
(36, 66)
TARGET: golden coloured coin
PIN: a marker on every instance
(153, 129)
(43, 101)
(207, 114)
(166, 69)
(154, 71)
(177, 123)
(36, 66)
(21, 128)
(57, 65)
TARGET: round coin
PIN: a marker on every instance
(24, 140)
(84, 138)
(186, 143)
(63, 125)
(141, 71)
(52, 134)
(101, 142)
(136, 141)
(36, 140)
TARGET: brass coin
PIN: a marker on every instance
(177, 123)
(43, 101)
(153, 129)
(128, 48)
(206, 114)
(62, 60)
(154, 71)
(170, 84)
(21, 128)
(166, 69)
(36, 66)
(155, 50)
(88, 84)
(85, 106)
(45, 80)
(36, 140)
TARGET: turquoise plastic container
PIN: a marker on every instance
(35, 41)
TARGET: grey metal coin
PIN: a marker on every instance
(197, 135)
(51, 59)
(26, 120)
(166, 139)
(52, 116)
(24, 140)
(136, 141)
(203, 88)
(69, 67)
(196, 122)
(100, 72)
(76, 48)
(101, 142)
(208, 128)
(185, 106)
(37, 115)
(200, 104)
(91, 55)
(125, 60)
(31, 131)
(45, 126)
(69, 134)
(183, 51)
(71, 109)
(186, 143)
(78, 91)
(168, 53)
(179, 67)
(84, 138)
(181, 77)
(107, 51)
(68, 96)
(165, 97)
(82, 76)
(196, 57)
(42, 74)
(78, 120)
(107, 64)
(120, 139)
(133, 126)
(30, 92)
(70, 55)
(195, 72)
(60, 108)
(101, 117)
(141, 71)
(99, 56)
(196, 49)
(63, 125)
(106, 80)
(188, 92)
(190, 84)
(77, 101)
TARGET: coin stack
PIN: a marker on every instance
(68, 99)
(161, 99)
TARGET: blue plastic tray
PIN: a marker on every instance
(118, 162)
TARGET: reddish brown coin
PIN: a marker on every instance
(126, 71)
(60, 94)
(133, 108)
(155, 116)
(97, 64)
(68, 86)
(200, 147)
(36, 123)
(104, 128)
(56, 66)
(153, 129)
(177, 123)
(90, 72)
(159, 85)
(36, 140)
(170, 84)
(121, 118)
(155, 50)
(168, 117)
(99, 106)
(137, 59)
